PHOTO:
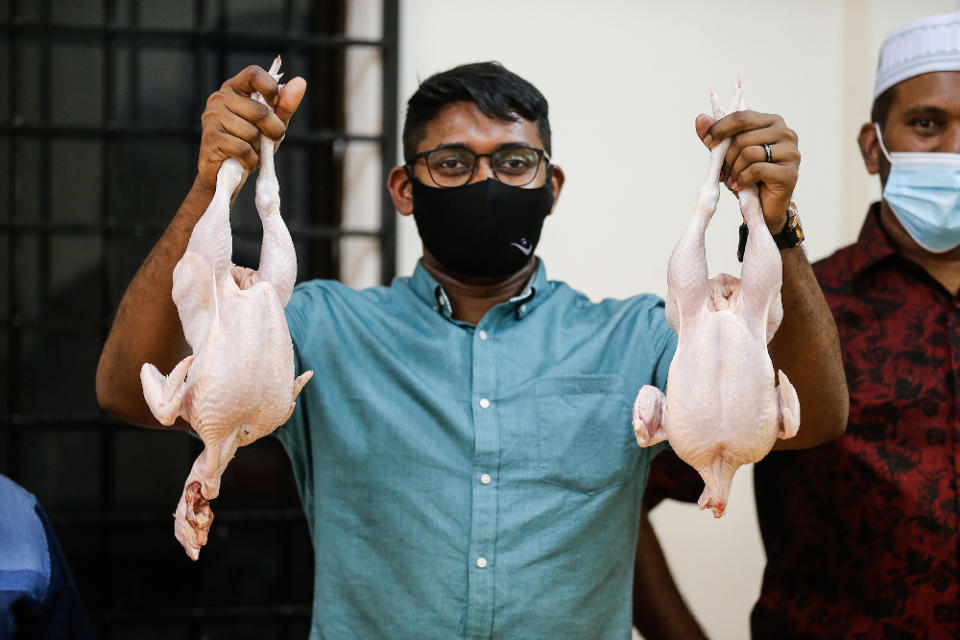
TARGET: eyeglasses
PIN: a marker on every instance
(516, 166)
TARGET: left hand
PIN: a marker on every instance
(745, 163)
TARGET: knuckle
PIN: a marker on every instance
(261, 111)
(209, 120)
(215, 99)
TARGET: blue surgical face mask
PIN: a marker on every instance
(923, 191)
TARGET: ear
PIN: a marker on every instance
(556, 185)
(401, 190)
(869, 148)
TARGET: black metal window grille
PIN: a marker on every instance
(99, 130)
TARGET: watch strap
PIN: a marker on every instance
(788, 238)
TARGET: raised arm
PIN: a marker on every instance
(659, 611)
(146, 327)
(806, 345)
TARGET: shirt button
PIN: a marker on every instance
(484, 403)
(483, 335)
(485, 478)
(481, 562)
(523, 308)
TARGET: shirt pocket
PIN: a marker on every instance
(585, 439)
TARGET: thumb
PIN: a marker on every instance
(703, 124)
(289, 98)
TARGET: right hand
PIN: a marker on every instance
(233, 122)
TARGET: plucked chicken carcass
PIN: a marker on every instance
(239, 383)
(723, 407)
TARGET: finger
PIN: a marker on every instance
(257, 113)
(782, 136)
(232, 147)
(234, 125)
(254, 79)
(779, 154)
(776, 189)
(747, 148)
(290, 96)
(702, 124)
(738, 122)
(776, 179)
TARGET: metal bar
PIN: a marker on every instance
(134, 65)
(197, 92)
(57, 421)
(286, 12)
(217, 33)
(388, 149)
(135, 130)
(55, 328)
(245, 612)
(14, 435)
(286, 20)
(108, 88)
(177, 37)
(44, 170)
(106, 439)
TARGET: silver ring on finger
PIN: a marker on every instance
(767, 152)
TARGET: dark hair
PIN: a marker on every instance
(881, 106)
(497, 92)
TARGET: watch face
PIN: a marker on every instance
(792, 234)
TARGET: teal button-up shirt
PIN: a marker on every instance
(471, 482)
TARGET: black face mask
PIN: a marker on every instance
(482, 229)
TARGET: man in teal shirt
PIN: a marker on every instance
(465, 455)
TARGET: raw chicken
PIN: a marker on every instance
(239, 383)
(722, 408)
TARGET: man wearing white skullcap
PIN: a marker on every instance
(862, 534)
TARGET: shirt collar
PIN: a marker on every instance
(873, 245)
(431, 292)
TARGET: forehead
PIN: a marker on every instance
(464, 123)
(940, 89)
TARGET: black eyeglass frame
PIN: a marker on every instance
(541, 155)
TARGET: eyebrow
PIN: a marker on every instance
(924, 110)
(505, 145)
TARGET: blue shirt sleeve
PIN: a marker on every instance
(38, 598)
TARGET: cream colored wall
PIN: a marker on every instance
(625, 81)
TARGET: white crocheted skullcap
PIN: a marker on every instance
(922, 46)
